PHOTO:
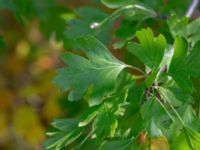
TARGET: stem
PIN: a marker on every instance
(163, 106)
(188, 138)
(84, 140)
(184, 126)
(177, 114)
(180, 119)
(192, 8)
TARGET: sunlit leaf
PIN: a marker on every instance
(101, 70)
(150, 50)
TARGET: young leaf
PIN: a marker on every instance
(150, 50)
(65, 125)
(101, 70)
(66, 132)
(104, 125)
(192, 61)
(193, 31)
(181, 142)
(195, 138)
(131, 8)
(87, 117)
(176, 69)
(117, 3)
(153, 113)
(178, 26)
(184, 66)
(122, 144)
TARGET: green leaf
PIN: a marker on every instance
(173, 94)
(100, 70)
(65, 125)
(150, 50)
(153, 114)
(66, 132)
(178, 26)
(195, 138)
(184, 66)
(62, 140)
(193, 31)
(88, 116)
(181, 142)
(129, 12)
(130, 8)
(192, 61)
(81, 26)
(117, 3)
(189, 117)
(104, 125)
(176, 69)
(122, 144)
(169, 96)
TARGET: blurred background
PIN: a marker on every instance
(30, 45)
(33, 33)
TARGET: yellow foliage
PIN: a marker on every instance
(160, 143)
(3, 126)
(26, 124)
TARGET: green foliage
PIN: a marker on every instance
(100, 71)
(64, 133)
(48, 11)
(151, 50)
(132, 107)
(81, 26)
(149, 100)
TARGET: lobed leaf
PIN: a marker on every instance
(100, 70)
(150, 50)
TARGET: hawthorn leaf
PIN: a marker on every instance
(176, 68)
(132, 8)
(169, 96)
(194, 138)
(153, 114)
(89, 115)
(192, 61)
(104, 125)
(181, 27)
(182, 141)
(122, 144)
(66, 131)
(183, 65)
(134, 12)
(178, 26)
(82, 26)
(100, 71)
(150, 50)
(189, 117)
(193, 31)
(117, 3)
(65, 125)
